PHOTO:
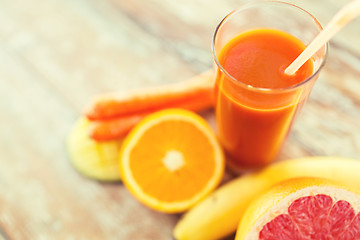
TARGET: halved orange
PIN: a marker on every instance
(171, 160)
(303, 209)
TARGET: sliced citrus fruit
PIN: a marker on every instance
(98, 160)
(171, 160)
(303, 209)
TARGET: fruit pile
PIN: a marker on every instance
(170, 160)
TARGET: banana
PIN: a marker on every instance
(98, 160)
(219, 214)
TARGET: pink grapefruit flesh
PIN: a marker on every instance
(316, 217)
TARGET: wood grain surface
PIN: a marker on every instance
(55, 55)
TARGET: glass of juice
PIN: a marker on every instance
(256, 102)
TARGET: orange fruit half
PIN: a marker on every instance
(303, 209)
(171, 160)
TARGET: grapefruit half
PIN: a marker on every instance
(303, 209)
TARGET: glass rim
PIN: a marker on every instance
(262, 89)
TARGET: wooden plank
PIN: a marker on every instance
(84, 48)
(47, 199)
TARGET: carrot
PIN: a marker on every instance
(196, 93)
(115, 115)
(105, 130)
(113, 129)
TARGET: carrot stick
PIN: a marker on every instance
(105, 130)
(113, 129)
(139, 101)
(113, 117)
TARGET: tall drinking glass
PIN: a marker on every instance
(253, 121)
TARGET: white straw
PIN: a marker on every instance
(342, 17)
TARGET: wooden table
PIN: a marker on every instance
(55, 55)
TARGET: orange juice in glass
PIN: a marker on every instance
(256, 102)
